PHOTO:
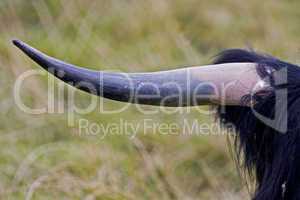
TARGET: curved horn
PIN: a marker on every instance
(216, 84)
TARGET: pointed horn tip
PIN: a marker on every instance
(17, 42)
(27, 49)
(21, 45)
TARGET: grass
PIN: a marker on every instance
(44, 157)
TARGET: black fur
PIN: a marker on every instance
(271, 157)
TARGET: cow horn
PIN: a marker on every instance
(221, 84)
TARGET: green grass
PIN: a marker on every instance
(43, 157)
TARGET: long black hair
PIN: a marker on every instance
(270, 156)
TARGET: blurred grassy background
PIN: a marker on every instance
(41, 157)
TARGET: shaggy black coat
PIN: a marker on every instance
(270, 156)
